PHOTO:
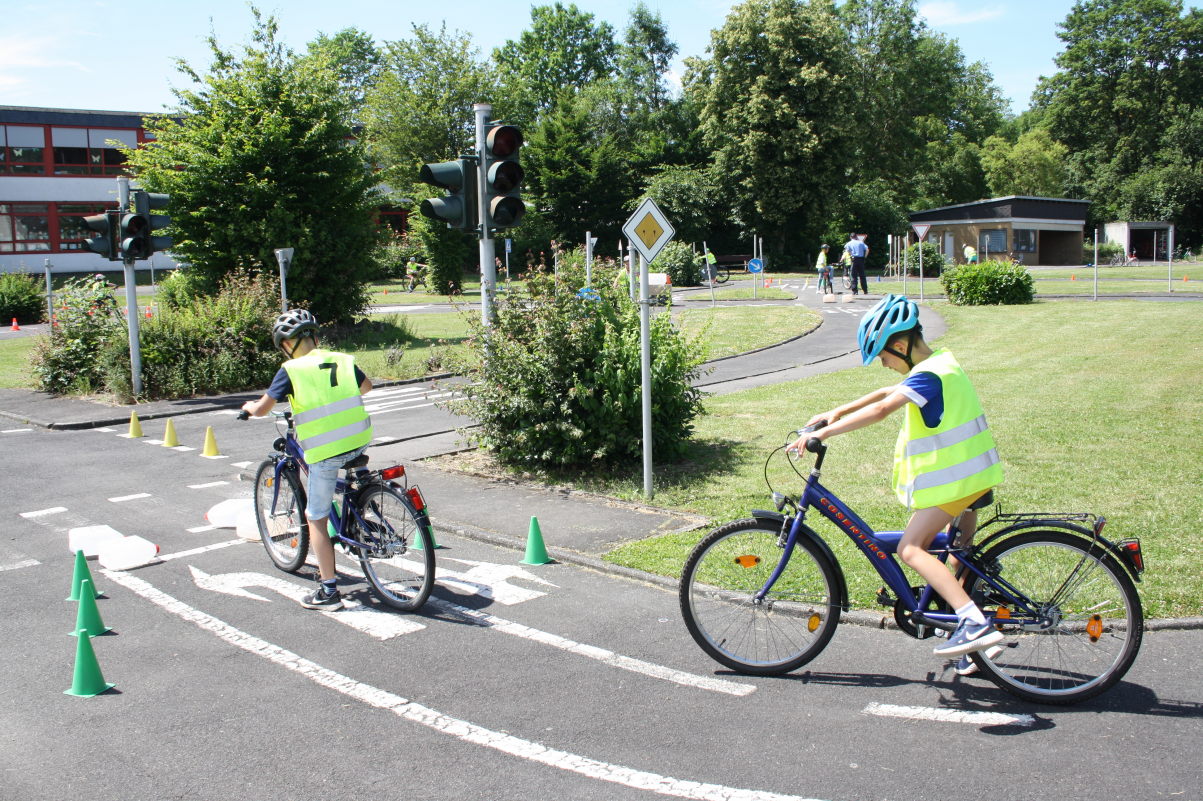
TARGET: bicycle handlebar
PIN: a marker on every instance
(244, 415)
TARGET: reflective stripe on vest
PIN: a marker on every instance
(957, 458)
(327, 406)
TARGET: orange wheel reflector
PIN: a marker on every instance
(271, 480)
(813, 623)
(1095, 628)
(747, 560)
(292, 543)
(1002, 612)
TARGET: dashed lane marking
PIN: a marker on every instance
(54, 510)
(15, 430)
(19, 565)
(463, 730)
(208, 485)
(948, 715)
(134, 497)
(203, 549)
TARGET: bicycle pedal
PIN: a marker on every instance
(884, 598)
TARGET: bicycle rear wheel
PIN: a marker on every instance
(1090, 624)
(399, 558)
(722, 275)
(284, 530)
(785, 630)
(846, 279)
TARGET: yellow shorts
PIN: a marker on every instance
(956, 507)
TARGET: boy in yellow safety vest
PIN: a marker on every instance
(325, 390)
(945, 460)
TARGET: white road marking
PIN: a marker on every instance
(460, 729)
(948, 715)
(134, 497)
(15, 430)
(241, 465)
(54, 510)
(203, 549)
(367, 619)
(19, 565)
(200, 529)
(206, 486)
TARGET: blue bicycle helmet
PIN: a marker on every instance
(893, 314)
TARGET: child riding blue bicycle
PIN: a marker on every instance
(945, 459)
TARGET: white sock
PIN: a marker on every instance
(970, 612)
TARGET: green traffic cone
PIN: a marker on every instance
(88, 680)
(420, 542)
(88, 617)
(536, 551)
(80, 574)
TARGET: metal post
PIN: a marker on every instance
(284, 258)
(920, 270)
(131, 300)
(488, 267)
(588, 258)
(49, 296)
(1096, 264)
(1169, 266)
(645, 339)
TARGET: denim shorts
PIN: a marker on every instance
(323, 476)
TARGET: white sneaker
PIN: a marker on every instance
(967, 667)
(969, 637)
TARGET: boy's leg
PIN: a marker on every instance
(323, 548)
(912, 550)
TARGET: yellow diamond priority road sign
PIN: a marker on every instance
(648, 229)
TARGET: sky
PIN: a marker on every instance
(61, 53)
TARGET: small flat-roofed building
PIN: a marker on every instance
(1035, 230)
(1147, 241)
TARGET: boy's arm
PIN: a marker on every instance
(259, 407)
(864, 411)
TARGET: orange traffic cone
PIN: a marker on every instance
(1073, 277)
(15, 326)
(148, 313)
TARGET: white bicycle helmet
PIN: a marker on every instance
(293, 324)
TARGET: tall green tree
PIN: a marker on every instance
(1033, 165)
(261, 155)
(775, 75)
(563, 51)
(645, 56)
(354, 57)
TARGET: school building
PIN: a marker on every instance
(1035, 230)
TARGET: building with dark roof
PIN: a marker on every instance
(1035, 230)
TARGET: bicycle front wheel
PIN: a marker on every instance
(846, 279)
(769, 636)
(722, 275)
(1089, 626)
(399, 558)
(282, 528)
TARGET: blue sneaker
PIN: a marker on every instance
(969, 637)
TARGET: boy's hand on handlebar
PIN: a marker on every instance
(806, 434)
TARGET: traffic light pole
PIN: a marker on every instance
(488, 265)
(131, 300)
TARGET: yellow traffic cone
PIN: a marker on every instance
(169, 437)
(210, 448)
(135, 427)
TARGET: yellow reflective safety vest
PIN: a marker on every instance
(955, 459)
(327, 407)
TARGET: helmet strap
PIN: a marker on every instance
(906, 357)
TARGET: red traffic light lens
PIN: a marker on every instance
(505, 176)
(504, 141)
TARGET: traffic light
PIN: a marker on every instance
(144, 203)
(106, 225)
(135, 236)
(503, 176)
(458, 207)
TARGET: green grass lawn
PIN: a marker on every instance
(1095, 408)
(14, 363)
(741, 329)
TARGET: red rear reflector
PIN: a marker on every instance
(394, 472)
(416, 498)
(1133, 549)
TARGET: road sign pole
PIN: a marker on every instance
(645, 358)
(488, 267)
(284, 258)
(49, 296)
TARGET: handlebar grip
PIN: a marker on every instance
(244, 415)
(814, 444)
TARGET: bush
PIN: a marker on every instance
(181, 288)
(684, 268)
(991, 283)
(560, 386)
(933, 261)
(392, 254)
(1107, 250)
(87, 322)
(21, 297)
(217, 344)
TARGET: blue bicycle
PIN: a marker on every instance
(380, 521)
(763, 595)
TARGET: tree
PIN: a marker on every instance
(353, 56)
(644, 58)
(1033, 165)
(562, 52)
(775, 74)
(261, 155)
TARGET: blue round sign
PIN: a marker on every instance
(755, 266)
(588, 293)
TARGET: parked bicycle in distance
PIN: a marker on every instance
(375, 516)
(763, 595)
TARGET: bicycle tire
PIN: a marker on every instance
(846, 279)
(1094, 622)
(722, 275)
(789, 628)
(285, 534)
(398, 536)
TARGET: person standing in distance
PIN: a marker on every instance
(325, 390)
(858, 251)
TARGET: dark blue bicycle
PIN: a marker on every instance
(763, 595)
(380, 520)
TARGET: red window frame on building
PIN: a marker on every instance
(65, 150)
(46, 227)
